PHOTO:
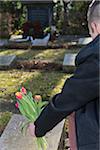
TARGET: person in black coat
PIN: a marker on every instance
(80, 93)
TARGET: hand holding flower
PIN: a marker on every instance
(31, 128)
(31, 107)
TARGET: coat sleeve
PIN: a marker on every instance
(77, 91)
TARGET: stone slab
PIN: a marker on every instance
(15, 37)
(18, 40)
(13, 139)
(69, 60)
(7, 61)
(84, 41)
(69, 63)
(40, 42)
(3, 42)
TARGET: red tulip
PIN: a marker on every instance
(23, 90)
(17, 105)
(19, 95)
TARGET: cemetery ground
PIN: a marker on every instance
(46, 82)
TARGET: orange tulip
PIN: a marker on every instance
(19, 95)
(23, 90)
(38, 98)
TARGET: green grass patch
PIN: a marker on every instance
(38, 82)
(11, 80)
(47, 84)
(49, 54)
(4, 119)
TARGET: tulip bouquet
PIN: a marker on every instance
(31, 108)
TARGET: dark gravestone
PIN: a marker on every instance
(7, 61)
(69, 63)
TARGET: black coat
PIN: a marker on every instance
(80, 94)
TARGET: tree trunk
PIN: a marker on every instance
(5, 25)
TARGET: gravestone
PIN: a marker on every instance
(7, 61)
(13, 139)
(3, 42)
(20, 39)
(69, 63)
(15, 37)
(41, 42)
(84, 41)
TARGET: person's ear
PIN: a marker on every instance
(93, 27)
(98, 27)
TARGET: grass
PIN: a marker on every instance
(49, 54)
(39, 82)
(4, 118)
(47, 84)
(11, 80)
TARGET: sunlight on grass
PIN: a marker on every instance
(4, 118)
(11, 80)
(21, 54)
(51, 54)
(47, 83)
(38, 82)
(57, 54)
(60, 84)
(14, 52)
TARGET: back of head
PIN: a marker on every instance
(94, 12)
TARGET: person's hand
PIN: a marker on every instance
(31, 128)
